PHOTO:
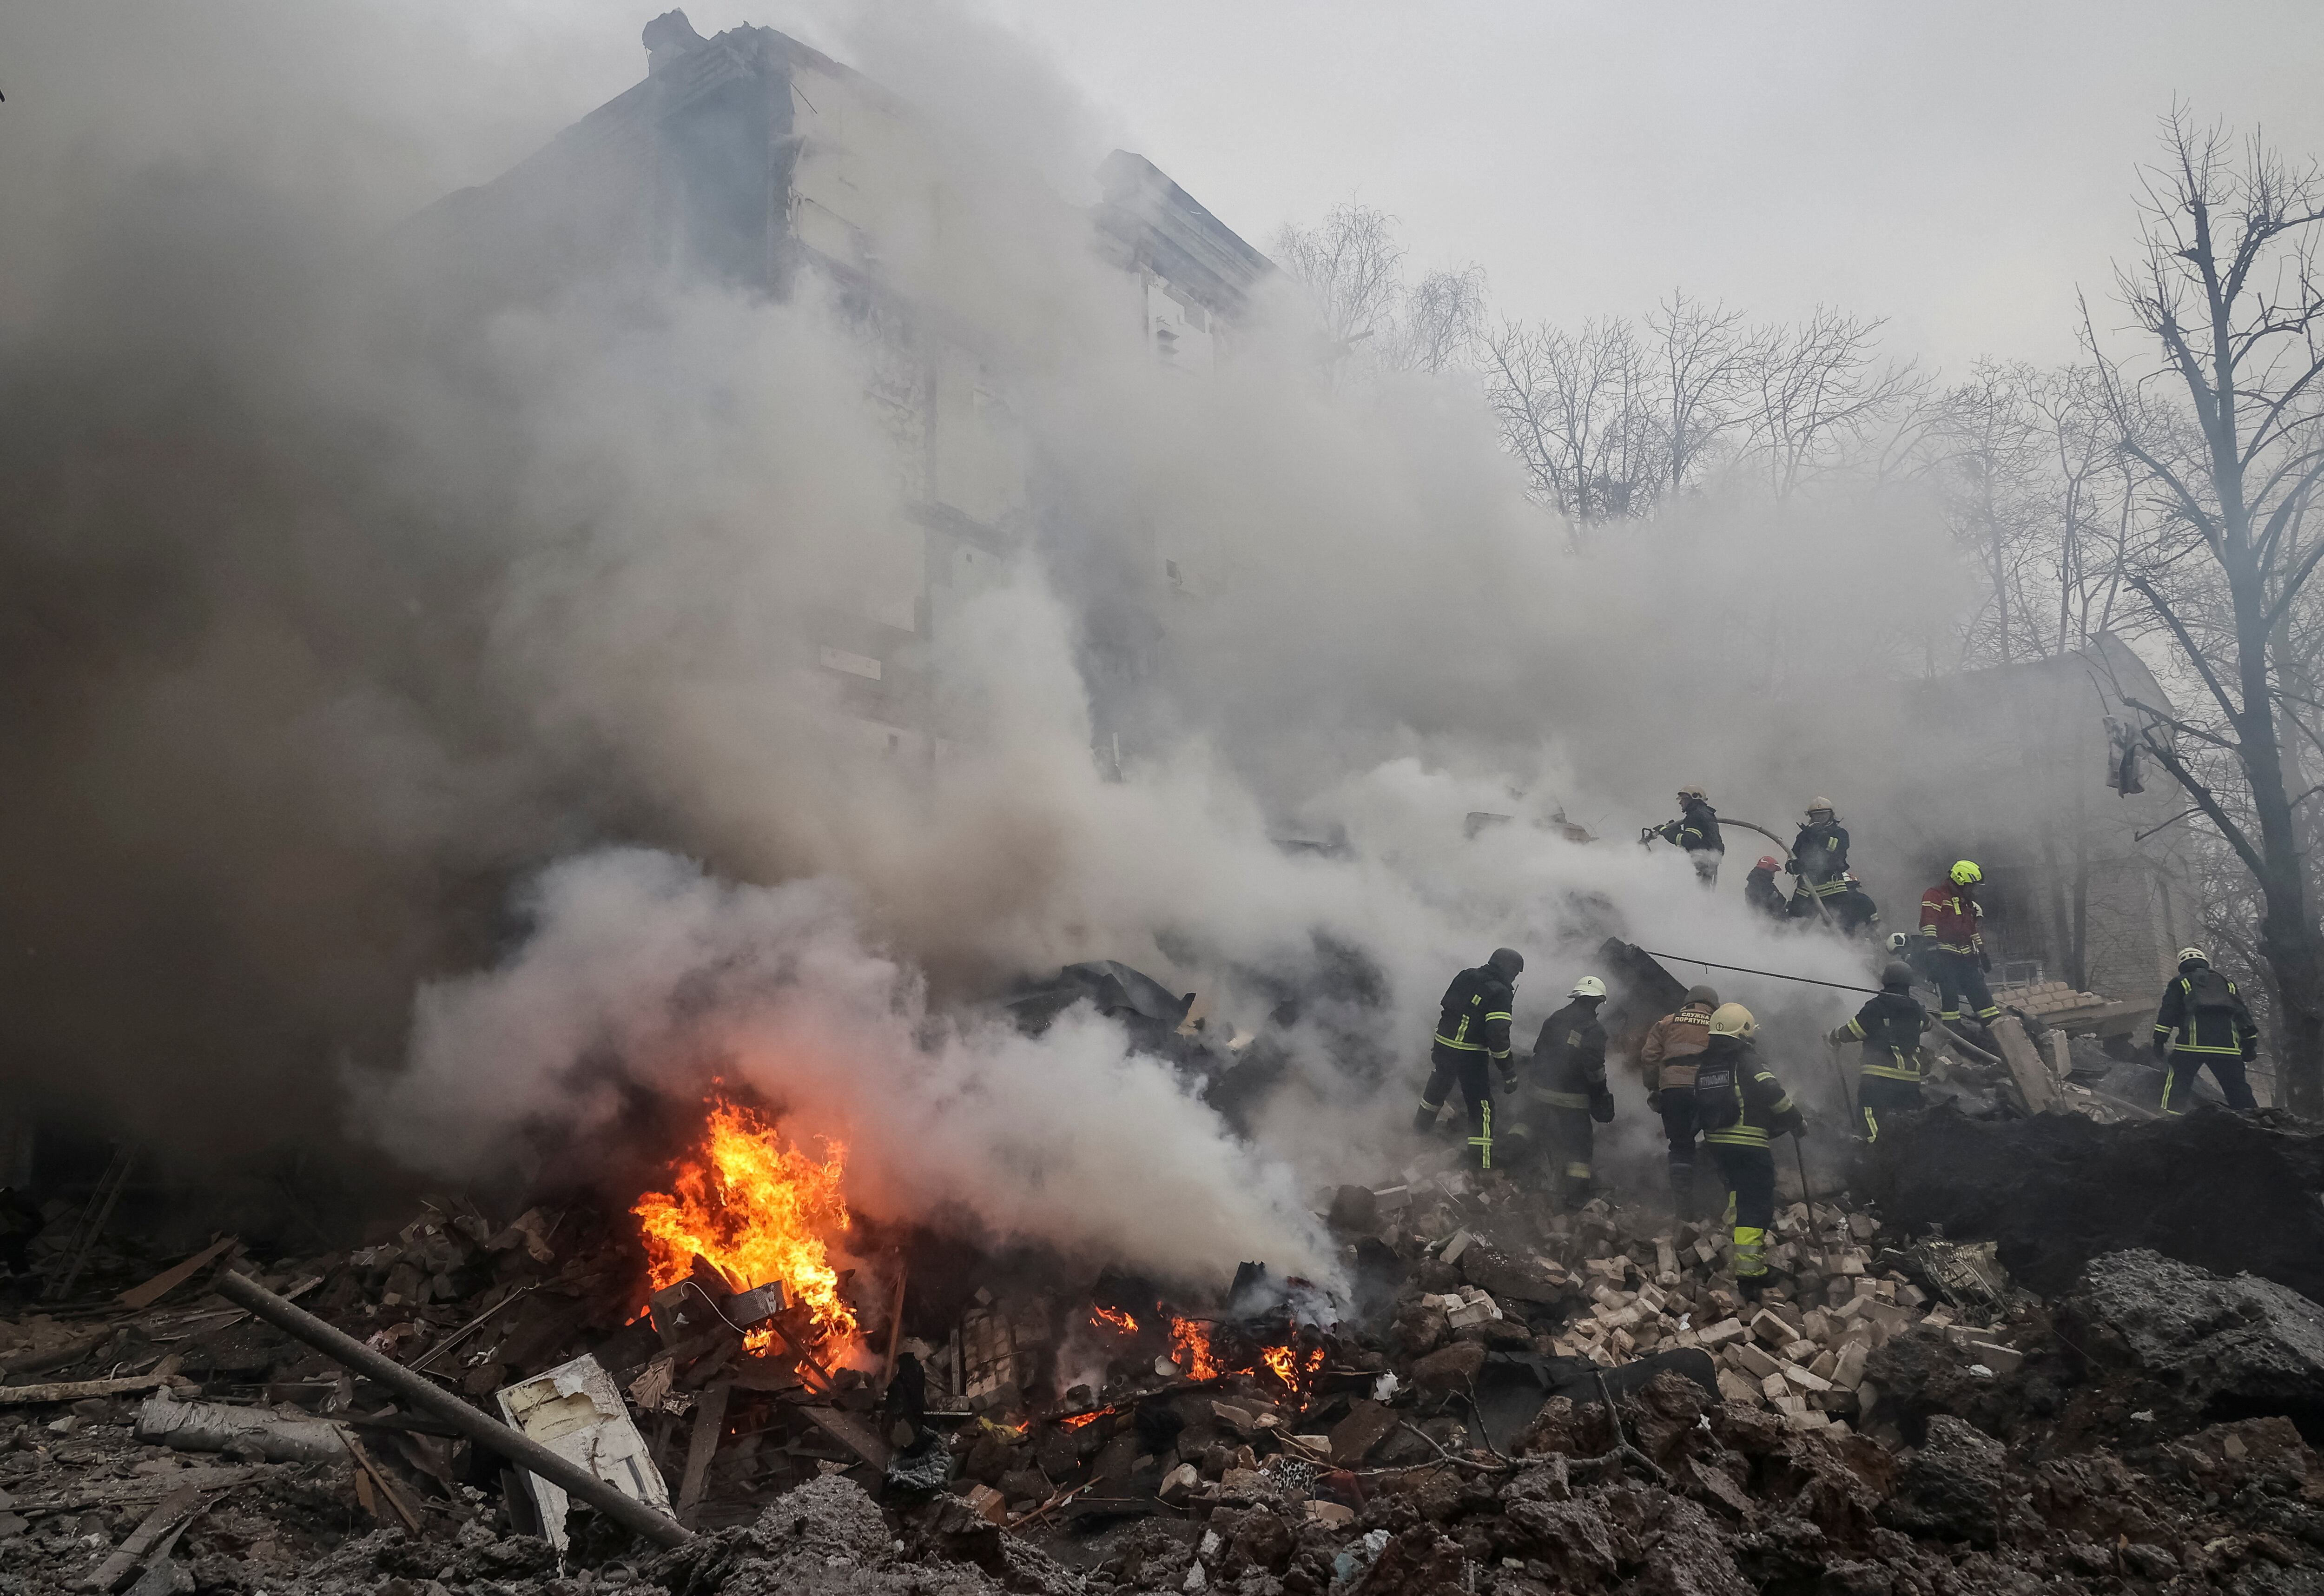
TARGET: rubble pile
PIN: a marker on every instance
(1518, 1400)
(2229, 1192)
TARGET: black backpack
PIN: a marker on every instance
(1719, 1088)
(2205, 988)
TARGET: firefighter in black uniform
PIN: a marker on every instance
(1761, 891)
(1739, 1106)
(1472, 1034)
(1696, 830)
(1566, 1087)
(1820, 859)
(2203, 1020)
(1889, 1025)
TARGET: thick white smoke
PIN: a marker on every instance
(539, 577)
(636, 955)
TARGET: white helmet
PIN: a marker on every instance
(1588, 986)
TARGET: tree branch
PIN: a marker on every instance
(2195, 655)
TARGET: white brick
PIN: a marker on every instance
(2001, 1359)
(1804, 1379)
(1847, 1370)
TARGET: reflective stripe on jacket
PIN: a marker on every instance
(1476, 1013)
(1766, 1107)
(1954, 918)
(2220, 1026)
(1569, 1056)
(1889, 1025)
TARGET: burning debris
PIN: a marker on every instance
(1521, 1399)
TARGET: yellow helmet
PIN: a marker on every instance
(1732, 1020)
(1964, 873)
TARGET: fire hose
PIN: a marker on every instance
(1647, 834)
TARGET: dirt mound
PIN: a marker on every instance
(2215, 1349)
(2229, 1192)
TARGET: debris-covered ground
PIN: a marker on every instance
(1520, 1399)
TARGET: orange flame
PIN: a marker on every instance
(1114, 1319)
(1192, 1349)
(1075, 1421)
(759, 1211)
(1293, 1367)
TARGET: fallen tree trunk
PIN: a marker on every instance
(421, 1393)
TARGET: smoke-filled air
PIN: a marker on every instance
(432, 717)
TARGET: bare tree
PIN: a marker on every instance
(1440, 321)
(1702, 355)
(2225, 287)
(1350, 265)
(1992, 474)
(1818, 393)
(1573, 408)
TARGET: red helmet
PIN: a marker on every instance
(1767, 861)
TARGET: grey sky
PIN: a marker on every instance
(1955, 167)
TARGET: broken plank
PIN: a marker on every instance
(174, 1510)
(709, 1425)
(38, 1361)
(177, 1275)
(73, 1391)
(386, 1486)
(115, 1493)
(2024, 1063)
(851, 1433)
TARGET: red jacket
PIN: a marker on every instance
(1952, 917)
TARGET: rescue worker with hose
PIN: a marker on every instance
(1565, 1088)
(1472, 1037)
(1740, 1105)
(1956, 960)
(1889, 1025)
(1667, 1058)
(2202, 1020)
(1696, 830)
(1820, 859)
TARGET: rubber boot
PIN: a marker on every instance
(1749, 1286)
(1424, 1119)
(1682, 1184)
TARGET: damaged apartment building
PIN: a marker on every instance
(751, 161)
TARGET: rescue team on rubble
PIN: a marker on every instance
(1703, 1071)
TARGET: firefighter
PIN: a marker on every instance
(1566, 1087)
(1739, 1106)
(1472, 1036)
(1889, 1025)
(1696, 830)
(1853, 909)
(1911, 950)
(2203, 1020)
(1667, 1058)
(1952, 919)
(1760, 890)
(1820, 859)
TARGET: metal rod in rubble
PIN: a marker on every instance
(1807, 1196)
(562, 1472)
